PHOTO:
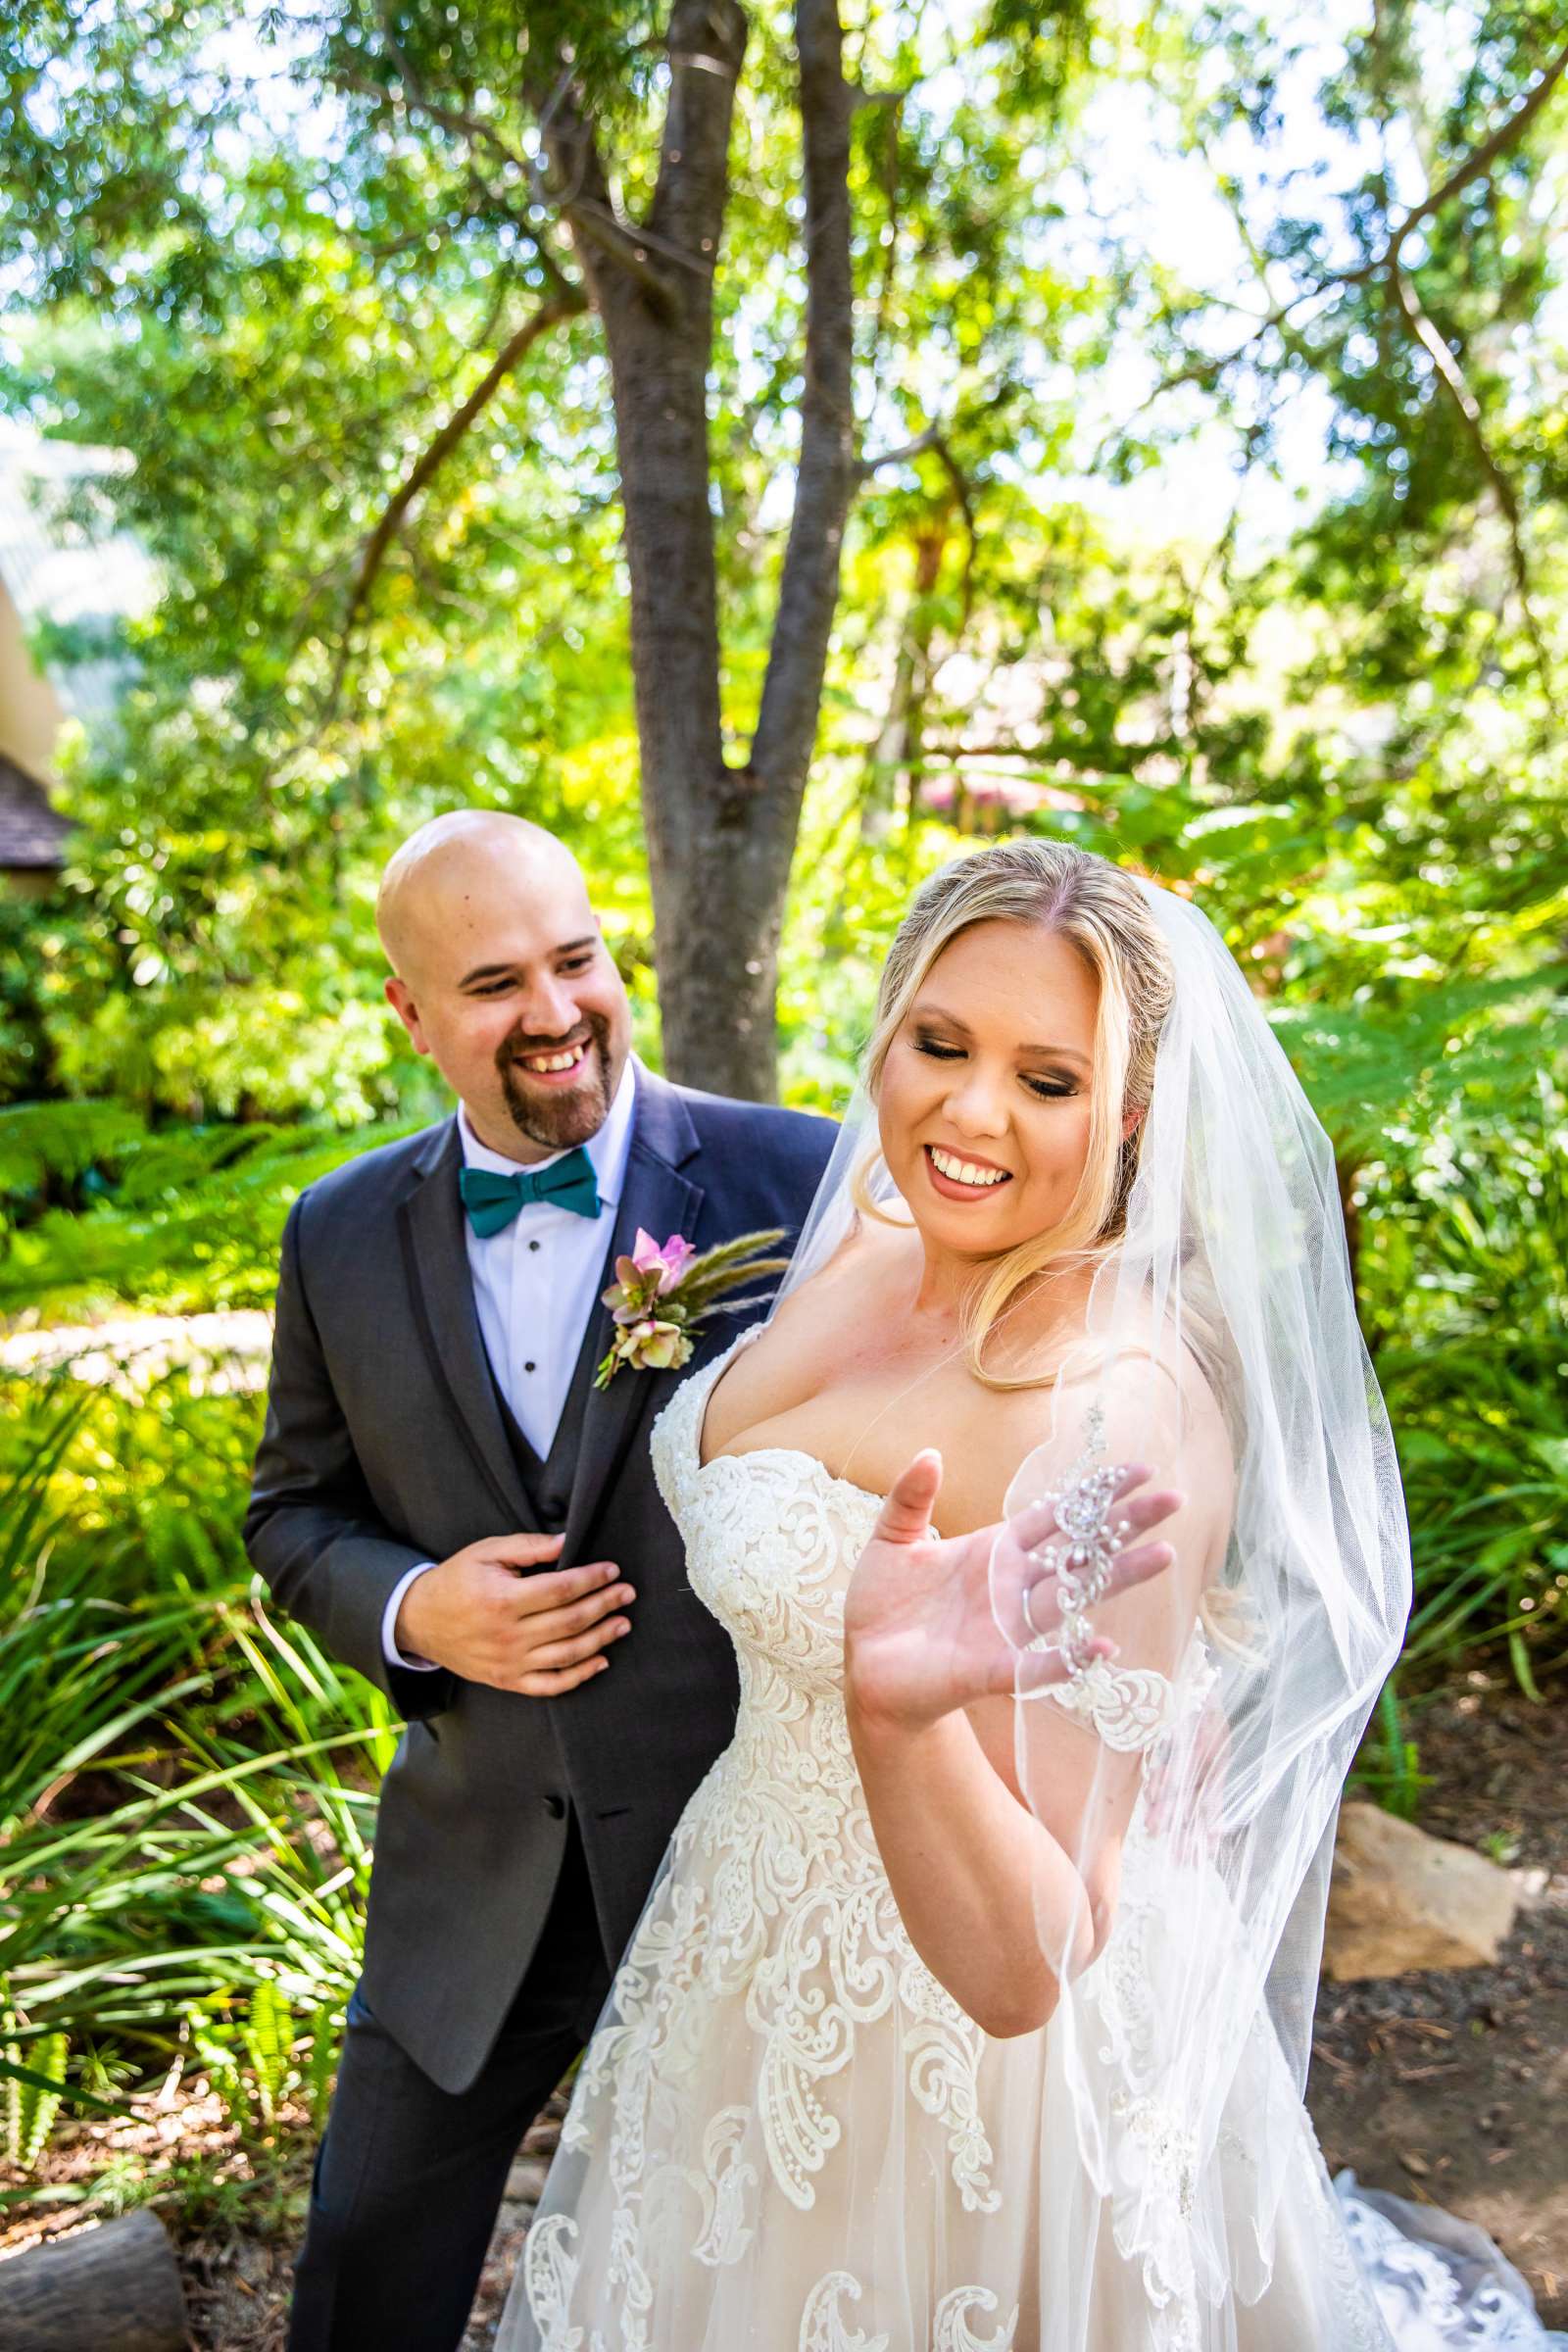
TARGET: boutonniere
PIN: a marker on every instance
(659, 1296)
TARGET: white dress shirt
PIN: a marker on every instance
(536, 1284)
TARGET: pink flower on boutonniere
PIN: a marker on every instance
(659, 1295)
(671, 1262)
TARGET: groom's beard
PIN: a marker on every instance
(553, 1119)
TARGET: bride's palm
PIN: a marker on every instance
(931, 1624)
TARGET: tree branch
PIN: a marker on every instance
(412, 100)
(967, 413)
(904, 454)
(786, 726)
(1497, 143)
(937, 441)
(577, 185)
(934, 442)
(1450, 375)
(434, 455)
(600, 226)
(962, 491)
(707, 49)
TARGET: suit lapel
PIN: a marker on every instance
(655, 1196)
(441, 1287)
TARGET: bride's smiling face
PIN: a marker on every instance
(983, 1102)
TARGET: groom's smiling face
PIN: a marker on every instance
(504, 978)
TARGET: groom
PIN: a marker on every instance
(444, 1497)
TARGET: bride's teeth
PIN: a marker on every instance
(963, 1171)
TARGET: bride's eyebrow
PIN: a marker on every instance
(936, 1013)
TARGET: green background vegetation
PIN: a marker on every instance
(1201, 557)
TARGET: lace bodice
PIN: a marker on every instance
(797, 1915)
(772, 1538)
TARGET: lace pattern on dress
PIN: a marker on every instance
(1128, 1706)
(1462, 2303)
(776, 1906)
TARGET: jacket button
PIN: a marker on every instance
(556, 1807)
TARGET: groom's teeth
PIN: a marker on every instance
(964, 1171)
(553, 1061)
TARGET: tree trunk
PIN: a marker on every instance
(720, 837)
(112, 2289)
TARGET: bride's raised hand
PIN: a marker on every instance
(933, 1623)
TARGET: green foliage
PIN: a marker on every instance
(186, 1789)
(48, 1147)
(269, 2034)
(1388, 1768)
(1467, 1273)
(96, 1204)
(31, 2106)
(258, 2063)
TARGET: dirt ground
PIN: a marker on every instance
(1451, 2088)
(1446, 2086)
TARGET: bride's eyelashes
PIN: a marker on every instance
(1047, 1090)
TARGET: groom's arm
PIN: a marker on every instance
(312, 1529)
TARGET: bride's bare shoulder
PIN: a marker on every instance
(806, 1337)
(1145, 1397)
(858, 1265)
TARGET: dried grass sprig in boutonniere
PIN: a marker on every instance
(661, 1295)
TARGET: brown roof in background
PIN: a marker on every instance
(32, 833)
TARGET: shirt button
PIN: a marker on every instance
(533, 1244)
(554, 1806)
(527, 1367)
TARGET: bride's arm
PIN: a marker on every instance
(986, 1887)
(967, 1864)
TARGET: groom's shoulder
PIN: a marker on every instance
(787, 1148)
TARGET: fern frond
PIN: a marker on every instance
(268, 2038)
(31, 2107)
(40, 1141)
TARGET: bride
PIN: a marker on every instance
(970, 2010)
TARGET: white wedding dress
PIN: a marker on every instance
(786, 2136)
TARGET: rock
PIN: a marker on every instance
(1400, 1899)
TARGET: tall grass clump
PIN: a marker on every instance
(186, 1787)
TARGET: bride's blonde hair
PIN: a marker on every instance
(1107, 918)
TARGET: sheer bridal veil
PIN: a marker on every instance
(1195, 1779)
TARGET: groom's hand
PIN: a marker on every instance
(541, 1634)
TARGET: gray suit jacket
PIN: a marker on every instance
(384, 1446)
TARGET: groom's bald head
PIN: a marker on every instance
(442, 879)
(502, 976)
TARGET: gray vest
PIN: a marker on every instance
(547, 1483)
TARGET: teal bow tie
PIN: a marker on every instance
(492, 1201)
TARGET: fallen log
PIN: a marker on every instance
(115, 2288)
